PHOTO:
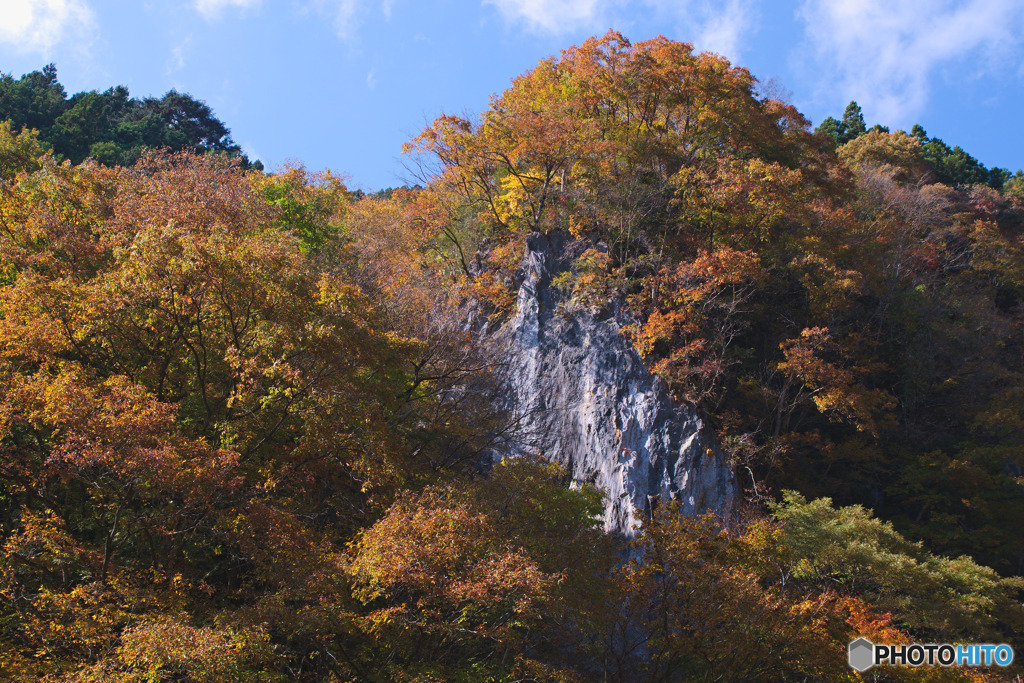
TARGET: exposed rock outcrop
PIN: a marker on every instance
(586, 400)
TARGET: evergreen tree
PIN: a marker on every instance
(831, 127)
(110, 126)
(853, 123)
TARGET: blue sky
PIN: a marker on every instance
(341, 84)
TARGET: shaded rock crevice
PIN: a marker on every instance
(584, 399)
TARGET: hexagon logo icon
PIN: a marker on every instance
(862, 655)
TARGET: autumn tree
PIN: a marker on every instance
(484, 579)
(814, 302)
(198, 411)
(249, 421)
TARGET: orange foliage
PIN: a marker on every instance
(835, 389)
(695, 309)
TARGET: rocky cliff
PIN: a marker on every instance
(585, 400)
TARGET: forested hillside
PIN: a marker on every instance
(245, 422)
(948, 165)
(110, 126)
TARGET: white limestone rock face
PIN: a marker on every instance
(585, 400)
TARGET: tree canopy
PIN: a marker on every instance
(950, 166)
(110, 126)
(247, 433)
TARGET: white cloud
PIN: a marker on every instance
(551, 16)
(39, 25)
(716, 26)
(371, 79)
(386, 6)
(341, 13)
(720, 29)
(177, 60)
(211, 9)
(884, 53)
(344, 17)
(250, 151)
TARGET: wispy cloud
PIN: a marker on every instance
(39, 25)
(550, 16)
(211, 9)
(716, 26)
(345, 17)
(250, 151)
(884, 53)
(371, 79)
(177, 59)
(722, 29)
(342, 14)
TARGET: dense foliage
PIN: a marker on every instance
(850, 324)
(243, 427)
(110, 126)
(949, 166)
